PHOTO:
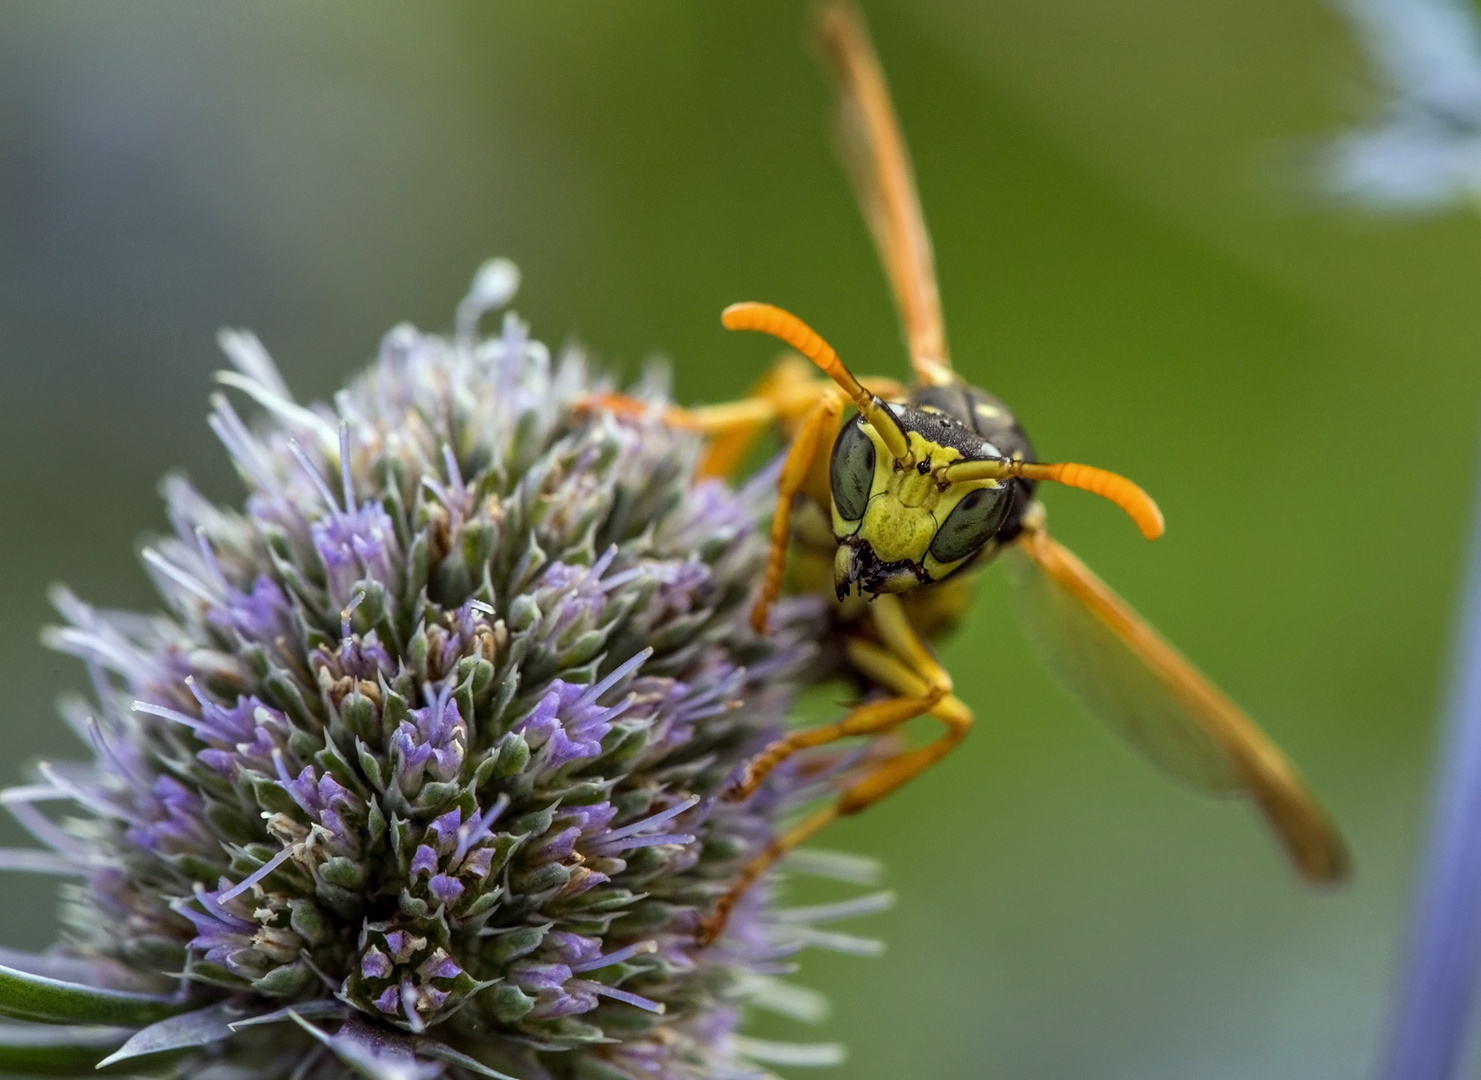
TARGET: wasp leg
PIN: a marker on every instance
(814, 438)
(791, 388)
(733, 427)
(707, 419)
(783, 395)
(902, 664)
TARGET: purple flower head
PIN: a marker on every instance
(424, 862)
(259, 615)
(683, 588)
(450, 868)
(431, 744)
(445, 888)
(713, 516)
(573, 949)
(576, 595)
(569, 724)
(360, 658)
(171, 818)
(221, 934)
(589, 821)
(237, 723)
(445, 827)
(404, 975)
(448, 775)
(375, 964)
(355, 545)
(330, 806)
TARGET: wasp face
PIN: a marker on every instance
(898, 524)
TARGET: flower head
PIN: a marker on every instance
(419, 773)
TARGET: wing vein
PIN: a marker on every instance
(1132, 678)
(884, 183)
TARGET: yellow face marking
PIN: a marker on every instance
(906, 507)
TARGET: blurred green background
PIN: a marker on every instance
(1118, 260)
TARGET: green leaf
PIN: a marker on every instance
(311, 1010)
(52, 1001)
(197, 1028)
(440, 1051)
(384, 1054)
(54, 1050)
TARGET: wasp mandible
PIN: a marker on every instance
(923, 486)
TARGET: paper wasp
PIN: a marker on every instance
(923, 486)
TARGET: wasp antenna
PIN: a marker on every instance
(782, 324)
(1137, 504)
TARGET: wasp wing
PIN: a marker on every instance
(879, 165)
(1130, 676)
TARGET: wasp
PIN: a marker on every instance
(892, 512)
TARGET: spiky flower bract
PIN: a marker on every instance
(420, 773)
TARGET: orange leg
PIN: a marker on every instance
(791, 388)
(739, 422)
(733, 427)
(815, 436)
(903, 665)
(785, 395)
(918, 697)
(708, 419)
(728, 449)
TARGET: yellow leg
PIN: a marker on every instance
(784, 395)
(876, 718)
(903, 665)
(815, 436)
(791, 388)
(708, 419)
(881, 667)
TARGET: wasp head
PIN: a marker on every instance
(898, 522)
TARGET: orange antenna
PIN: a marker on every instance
(767, 319)
(1137, 504)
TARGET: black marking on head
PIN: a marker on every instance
(978, 417)
(942, 430)
(957, 417)
(870, 574)
(980, 413)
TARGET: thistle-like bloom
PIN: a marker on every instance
(419, 774)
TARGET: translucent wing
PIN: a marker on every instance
(1130, 676)
(879, 165)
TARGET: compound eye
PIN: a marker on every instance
(851, 474)
(971, 523)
